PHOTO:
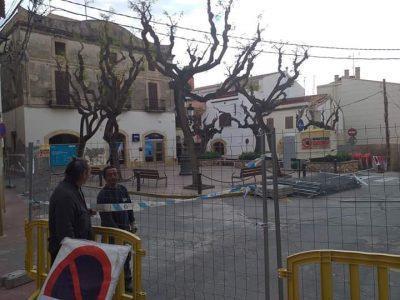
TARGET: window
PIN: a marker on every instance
(151, 66)
(288, 122)
(59, 48)
(62, 88)
(152, 90)
(225, 120)
(270, 122)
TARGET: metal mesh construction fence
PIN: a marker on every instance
(212, 246)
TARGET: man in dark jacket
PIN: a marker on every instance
(68, 213)
(113, 192)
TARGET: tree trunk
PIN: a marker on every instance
(274, 154)
(188, 137)
(257, 148)
(110, 136)
(81, 147)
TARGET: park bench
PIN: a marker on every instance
(247, 172)
(149, 174)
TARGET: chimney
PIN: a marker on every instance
(336, 78)
(358, 73)
(347, 74)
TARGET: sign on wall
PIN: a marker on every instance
(319, 139)
(135, 137)
(61, 155)
(2, 130)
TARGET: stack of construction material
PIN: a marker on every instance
(283, 191)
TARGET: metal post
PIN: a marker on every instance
(2, 196)
(138, 182)
(265, 218)
(276, 209)
(199, 184)
(30, 180)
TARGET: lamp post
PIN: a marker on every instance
(186, 168)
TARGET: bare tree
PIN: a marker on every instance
(87, 101)
(198, 62)
(114, 87)
(321, 122)
(248, 122)
(13, 55)
(262, 107)
(206, 131)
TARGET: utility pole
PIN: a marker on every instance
(387, 130)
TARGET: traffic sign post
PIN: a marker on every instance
(300, 125)
(352, 132)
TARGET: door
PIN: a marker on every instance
(153, 95)
(289, 151)
(154, 148)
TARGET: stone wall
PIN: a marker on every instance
(341, 167)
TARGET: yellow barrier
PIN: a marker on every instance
(325, 258)
(37, 258)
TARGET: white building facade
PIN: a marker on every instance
(363, 107)
(235, 140)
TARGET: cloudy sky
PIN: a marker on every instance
(340, 23)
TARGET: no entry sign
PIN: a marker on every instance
(352, 132)
(84, 270)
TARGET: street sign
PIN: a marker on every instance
(300, 125)
(352, 140)
(135, 137)
(352, 132)
(2, 130)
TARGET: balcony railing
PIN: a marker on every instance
(54, 104)
(155, 107)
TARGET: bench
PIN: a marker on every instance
(247, 172)
(149, 174)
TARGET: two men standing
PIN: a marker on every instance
(70, 217)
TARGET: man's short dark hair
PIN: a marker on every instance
(75, 168)
(106, 169)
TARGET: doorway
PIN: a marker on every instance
(154, 147)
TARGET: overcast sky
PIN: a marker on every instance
(356, 23)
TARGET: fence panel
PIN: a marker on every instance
(212, 246)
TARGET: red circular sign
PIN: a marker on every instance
(84, 274)
(352, 132)
(306, 143)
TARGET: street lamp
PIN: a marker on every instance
(190, 113)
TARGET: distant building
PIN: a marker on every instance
(233, 140)
(42, 112)
(362, 104)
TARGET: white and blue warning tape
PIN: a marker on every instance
(143, 204)
(244, 189)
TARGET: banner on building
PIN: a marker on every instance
(84, 270)
(315, 139)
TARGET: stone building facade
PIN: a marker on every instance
(36, 111)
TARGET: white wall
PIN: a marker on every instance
(367, 116)
(234, 137)
(42, 122)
